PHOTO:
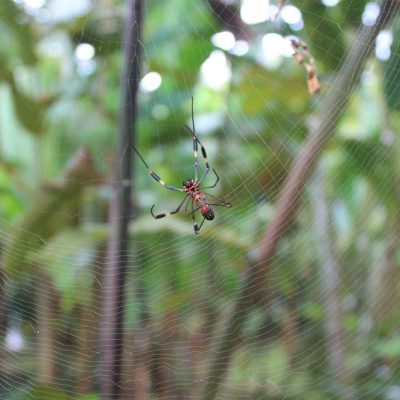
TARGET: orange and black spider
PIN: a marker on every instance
(194, 194)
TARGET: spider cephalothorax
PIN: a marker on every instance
(192, 187)
(189, 184)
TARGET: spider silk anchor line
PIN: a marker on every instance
(194, 192)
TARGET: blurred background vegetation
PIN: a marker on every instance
(327, 325)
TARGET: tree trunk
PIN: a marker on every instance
(120, 212)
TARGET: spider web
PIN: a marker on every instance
(326, 325)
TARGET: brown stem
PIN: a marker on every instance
(120, 212)
(260, 261)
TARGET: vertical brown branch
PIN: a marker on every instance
(262, 258)
(120, 211)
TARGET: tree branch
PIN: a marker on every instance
(261, 259)
(120, 211)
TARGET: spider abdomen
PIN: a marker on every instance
(200, 199)
(207, 212)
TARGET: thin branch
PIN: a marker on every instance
(120, 211)
(261, 260)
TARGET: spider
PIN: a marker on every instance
(192, 188)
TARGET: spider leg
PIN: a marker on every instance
(193, 211)
(195, 147)
(162, 215)
(215, 183)
(196, 141)
(155, 176)
(195, 226)
(203, 152)
(196, 161)
(218, 201)
(223, 203)
(199, 227)
(186, 208)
